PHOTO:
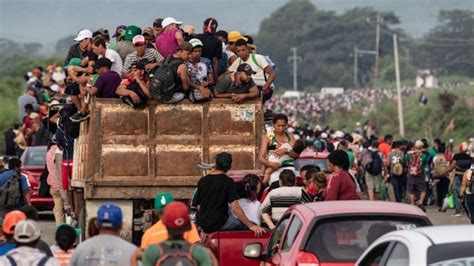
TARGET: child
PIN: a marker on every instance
(247, 190)
(297, 146)
(66, 237)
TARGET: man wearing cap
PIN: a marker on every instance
(264, 74)
(82, 50)
(27, 98)
(151, 55)
(176, 220)
(118, 36)
(212, 49)
(223, 37)
(125, 46)
(150, 37)
(107, 248)
(8, 229)
(27, 235)
(200, 72)
(100, 49)
(239, 85)
(135, 90)
(416, 183)
(24, 193)
(158, 233)
(215, 193)
(170, 38)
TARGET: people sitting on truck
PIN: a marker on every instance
(100, 49)
(264, 75)
(232, 38)
(176, 250)
(200, 73)
(212, 49)
(104, 87)
(269, 146)
(158, 233)
(125, 46)
(238, 86)
(215, 192)
(341, 186)
(106, 248)
(141, 53)
(315, 184)
(135, 90)
(247, 190)
(170, 38)
(280, 199)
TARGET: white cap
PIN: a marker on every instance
(33, 115)
(196, 42)
(291, 130)
(324, 135)
(138, 39)
(27, 231)
(83, 34)
(339, 134)
(168, 21)
(57, 76)
(54, 87)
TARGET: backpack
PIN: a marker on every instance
(176, 254)
(414, 167)
(133, 86)
(10, 193)
(163, 84)
(397, 166)
(440, 164)
(375, 166)
(69, 128)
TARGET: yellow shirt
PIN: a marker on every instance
(158, 233)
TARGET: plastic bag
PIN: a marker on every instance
(451, 200)
(383, 191)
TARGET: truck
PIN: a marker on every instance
(127, 156)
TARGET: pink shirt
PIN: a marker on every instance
(50, 156)
(166, 43)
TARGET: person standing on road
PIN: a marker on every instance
(215, 192)
(54, 181)
(396, 169)
(416, 164)
(467, 191)
(341, 186)
(439, 165)
(17, 197)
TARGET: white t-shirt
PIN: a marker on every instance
(251, 210)
(275, 176)
(259, 77)
(285, 146)
(116, 60)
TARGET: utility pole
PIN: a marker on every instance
(377, 48)
(296, 59)
(356, 64)
(399, 93)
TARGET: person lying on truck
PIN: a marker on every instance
(215, 192)
(158, 233)
(247, 190)
(200, 73)
(280, 199)
(176, 250)
(238, 86)
(135, 90)
(104, 87)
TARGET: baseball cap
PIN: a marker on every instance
(339, 134)
(148, 31)
(196, 43)
(131, 31)
(83, 34)
(102, 62)
(33, 115)
(11, 220)
(185, 46)
(246, 68)
(73, 62)
(211, 25)
(223, 160)
(157, 22)
(102, 31)
(27, 231)
(162, 200)
(138, 65)
(176, 217)
(168, 21)
(138, 39)
(419, 144)
(235, 36)
(118, 30)
(109, 215)
(54, 87)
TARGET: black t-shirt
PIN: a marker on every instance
(212, 46)
(463, 161)
(213, 195)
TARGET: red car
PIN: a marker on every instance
(33, 164)
(333, 232)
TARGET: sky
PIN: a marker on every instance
(46, 21)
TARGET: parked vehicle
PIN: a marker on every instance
(438, 245)
(33, 164)
(333, 232)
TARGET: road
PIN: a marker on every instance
(438, 218)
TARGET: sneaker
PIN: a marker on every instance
(79, 117)
(421, 207)
(457, 215)
(177, 97)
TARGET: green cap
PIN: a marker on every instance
(73, 62)
(161, 200)
(131, 31)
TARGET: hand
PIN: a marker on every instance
(134, 97)
(265, 89)
(205, 92)
(279, 152)
(258, 231)
(238, 98)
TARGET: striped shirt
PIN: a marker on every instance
(279, 200)
(151, 55)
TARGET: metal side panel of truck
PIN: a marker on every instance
(127, 156)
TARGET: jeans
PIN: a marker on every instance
(469, 201)
(398, 187)
(441, 190)
(457, 188)
(232, 223)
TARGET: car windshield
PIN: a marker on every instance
(35, 157)
(322, 163)
(459, 253)
(344, 239)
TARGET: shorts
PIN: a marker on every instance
(66, 174)
(415, 184)
(373, 182)
(72, 89)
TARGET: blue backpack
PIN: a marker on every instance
(375, 166)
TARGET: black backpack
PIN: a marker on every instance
(133, 86)
(10, 193)
(69, 128)
(176, 254)
(163, 85)
(375, 166)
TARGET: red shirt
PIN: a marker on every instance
(341, 186)
(385, 149)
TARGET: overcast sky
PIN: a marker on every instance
(49, 20)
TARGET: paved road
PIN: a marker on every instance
(438, 218)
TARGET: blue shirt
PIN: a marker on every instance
(25, 187)
(5, 247)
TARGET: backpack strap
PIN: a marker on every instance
(11, 260)
(43, 261)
